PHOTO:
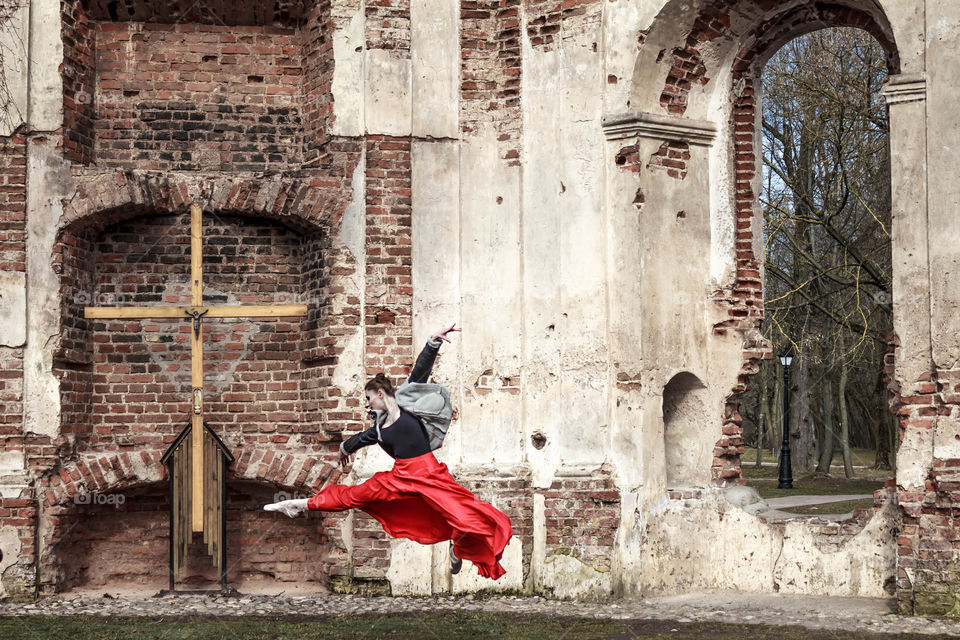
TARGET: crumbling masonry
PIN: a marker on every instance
(529, 168)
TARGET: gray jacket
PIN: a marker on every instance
(428, 402)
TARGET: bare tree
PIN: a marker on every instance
(826, 205)
(12, 54)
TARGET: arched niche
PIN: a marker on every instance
(687, 437)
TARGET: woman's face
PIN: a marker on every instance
(375, 400)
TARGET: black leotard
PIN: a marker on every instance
(405, 438)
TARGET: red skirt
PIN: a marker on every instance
(418, 499)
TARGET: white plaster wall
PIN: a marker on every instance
(10, 543)
(943, 74)
(436, 248)
(544, 317)
(348, 71)
(564, 270)
(436, 267)
(45, 56)
(387, 106)
(468, 580)
(624, 318)
(709, 543)
(13, 308)
(48, 183)
(410, 568)
(435, 60)
(623, 20)
(491, 296)
(906, 19)
(911, 296)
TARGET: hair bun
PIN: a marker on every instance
(380, 382)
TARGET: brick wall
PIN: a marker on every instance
(582, 516)
(490, 71)
(190, 97)
(928, 561)
(125, 543)
(79, 78)
(19, 511)
(387, 25)
(13, 165)
(388, 310)
(316, 81)
(140, 370)
(546, 19)
(333, 315)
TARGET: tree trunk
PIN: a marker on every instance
(801, 424)
(886, 434)
(844, 415)
(764, 419)
(760, 423)
(826, 450)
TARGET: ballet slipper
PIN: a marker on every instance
(289, 508)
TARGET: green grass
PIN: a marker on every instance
(833, 508)
(865, 481)
(815, 485)
(859, 458)
(448, 625)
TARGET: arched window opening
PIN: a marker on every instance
(827, 271)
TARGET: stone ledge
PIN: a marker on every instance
(659, 127)
(905, 88)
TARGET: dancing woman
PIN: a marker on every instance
(418, 499)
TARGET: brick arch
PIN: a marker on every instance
(744, 301)
(67, 525)
(105, 472)
(299, 473)
(114, 472)
(699, 60)
(690, 45)
(302, 201)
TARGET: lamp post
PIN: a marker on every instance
(786, 470)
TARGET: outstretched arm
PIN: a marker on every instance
(293, 508)
(424, 365)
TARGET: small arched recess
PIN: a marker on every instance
(687, 435)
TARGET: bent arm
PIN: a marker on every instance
(424, 365)
(362, 439)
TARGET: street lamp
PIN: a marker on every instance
(786, 470)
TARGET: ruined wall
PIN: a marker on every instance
(96, 552)
(139, 371)
(926, 373)
(17, 511)
(574, 184)
(189, 96)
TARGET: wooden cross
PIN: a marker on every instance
(196, 313)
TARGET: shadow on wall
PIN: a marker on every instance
(687, 443)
